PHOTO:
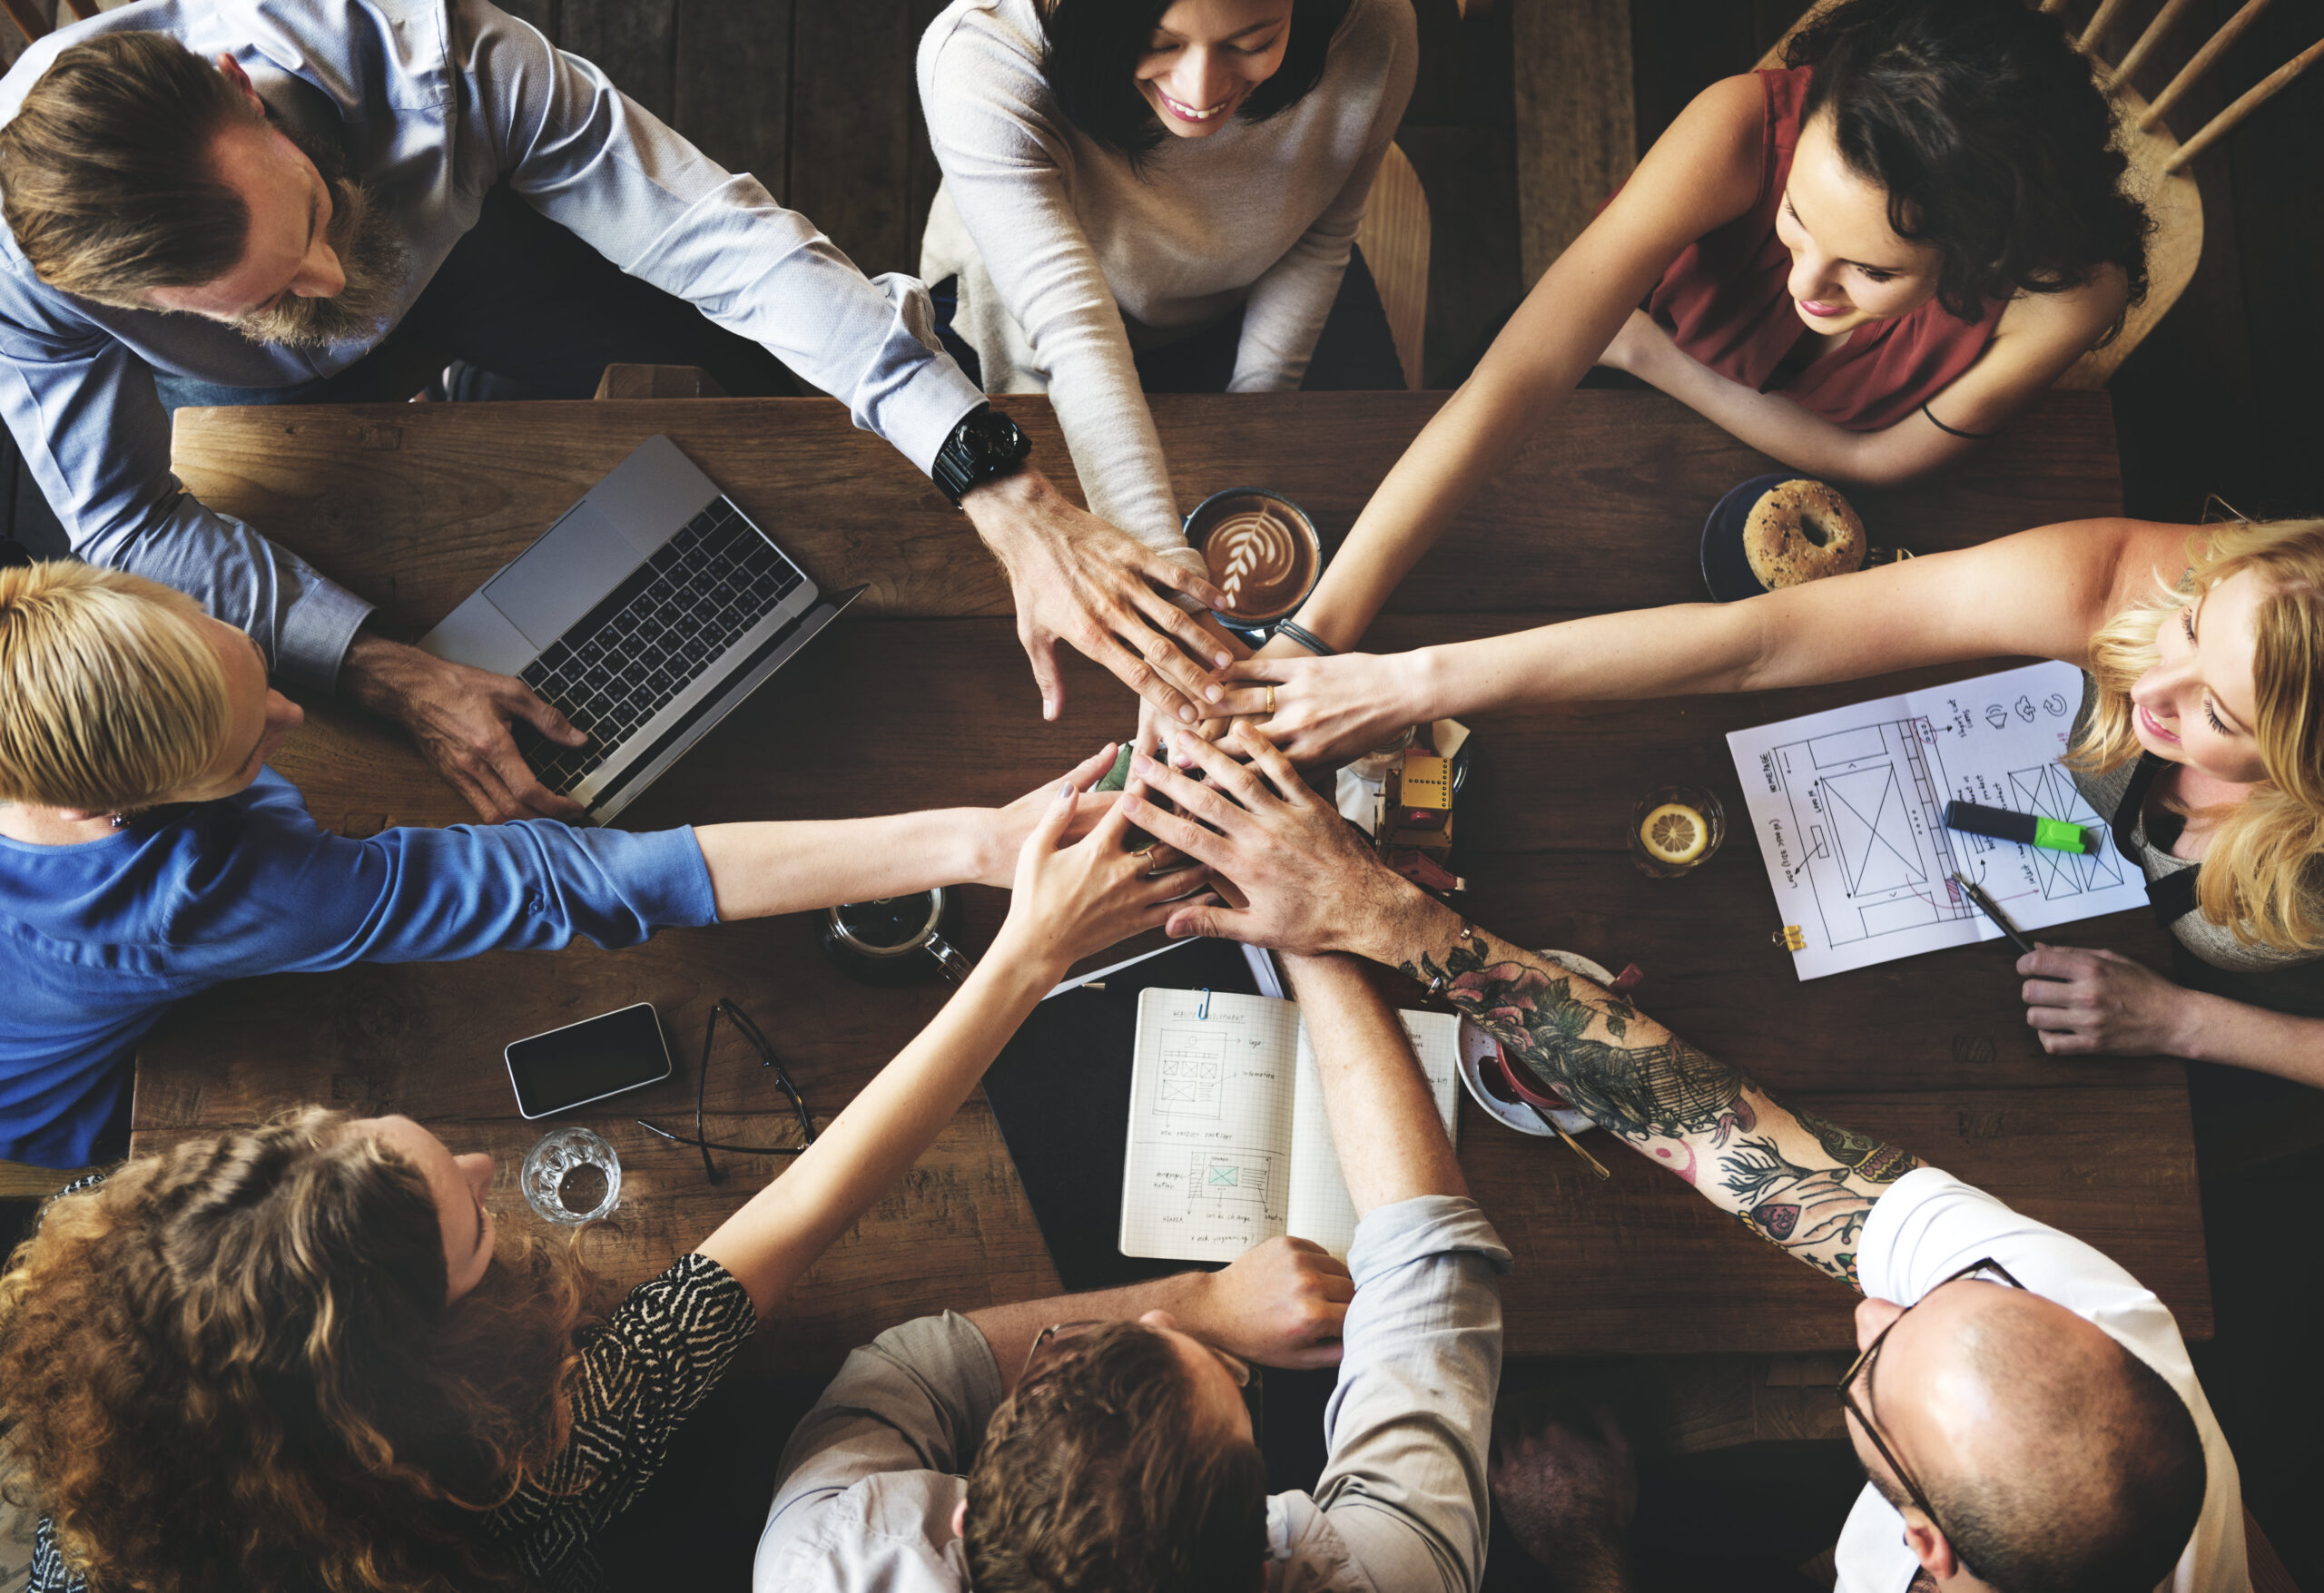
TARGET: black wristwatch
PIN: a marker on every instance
(985, 447)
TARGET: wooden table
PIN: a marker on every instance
(923, 698)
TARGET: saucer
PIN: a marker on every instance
(1476, 1045)
(1727, 569)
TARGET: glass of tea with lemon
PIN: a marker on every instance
(1674, 831)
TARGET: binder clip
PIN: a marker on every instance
(1790, 939)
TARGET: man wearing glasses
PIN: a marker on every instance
(2024, 1409)
(1108, 1440)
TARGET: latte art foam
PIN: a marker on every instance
(1258, 561)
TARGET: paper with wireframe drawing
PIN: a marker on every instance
(1848, 806)
(1228, 1142)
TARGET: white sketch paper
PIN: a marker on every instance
(1848, 807)
(1228, 1141)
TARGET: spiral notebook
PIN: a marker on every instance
(1229, 1144)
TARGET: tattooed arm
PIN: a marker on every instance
(1803, 1185)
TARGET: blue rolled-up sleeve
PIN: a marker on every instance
(300, 899)
(90, 425)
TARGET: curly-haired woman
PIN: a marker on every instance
(2201, 737)
(1860, 265)
(306, 1357)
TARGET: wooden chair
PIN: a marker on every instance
(34, 21)
(2158, 160)
(1393, 237)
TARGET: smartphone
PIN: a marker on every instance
(590, 1061)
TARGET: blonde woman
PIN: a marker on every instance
(2201, 737)
(305, 1356)
(147, 852)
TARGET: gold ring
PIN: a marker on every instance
(1270, 699)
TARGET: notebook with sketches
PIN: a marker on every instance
(1849, 809)
(1229, 1145)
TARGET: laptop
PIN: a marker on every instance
(644, 616)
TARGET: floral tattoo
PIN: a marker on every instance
(1808, 1190)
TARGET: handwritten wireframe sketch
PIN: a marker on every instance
(1229, 1144)
(1848, 806)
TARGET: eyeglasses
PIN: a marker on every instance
(1862, 1367)
(1247, 1377)
(700, 1139)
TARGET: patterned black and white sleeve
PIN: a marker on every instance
(642, 1373)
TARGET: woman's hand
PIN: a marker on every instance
(2089, 1002)
(1280, 1303)
(1329, 709)
(1069, 901)
(1006, 829)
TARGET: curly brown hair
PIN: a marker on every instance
(1101, 1472)
(231, 1365)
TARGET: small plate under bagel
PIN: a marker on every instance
(1727, 568)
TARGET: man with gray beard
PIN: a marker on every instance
(240, 201)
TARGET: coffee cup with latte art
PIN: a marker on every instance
(1263, 552)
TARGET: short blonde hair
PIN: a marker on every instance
(2263, 873)
(111, 697)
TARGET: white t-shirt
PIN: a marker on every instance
(1930, 1226)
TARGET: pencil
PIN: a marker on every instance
(1992, 909)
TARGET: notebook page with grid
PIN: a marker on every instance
(1208, 1173)
(1320, 1209)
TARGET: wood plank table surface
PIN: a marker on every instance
(922, 698)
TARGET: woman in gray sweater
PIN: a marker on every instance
(1132, 186)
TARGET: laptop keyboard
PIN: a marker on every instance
(623, 662)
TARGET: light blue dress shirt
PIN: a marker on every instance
(97, 940)
(438, 101)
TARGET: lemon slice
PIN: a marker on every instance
(1675, 833)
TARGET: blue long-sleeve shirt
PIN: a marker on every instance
(437, 101)
(97, 940)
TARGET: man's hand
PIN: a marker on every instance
(1312, 882)
(2085, 1002)
(1280, 1304)
(1150, 722)
(461, 716)
(1080, 580)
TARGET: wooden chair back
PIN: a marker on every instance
(1394, 236)
(2160, 175)
(37, 18)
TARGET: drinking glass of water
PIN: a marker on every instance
(571, 1176)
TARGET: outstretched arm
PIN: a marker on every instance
(1701, 173)
(1068, 902)
(1803, 1185)
(2038, 593)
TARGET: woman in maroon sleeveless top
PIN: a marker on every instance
(1858, 265)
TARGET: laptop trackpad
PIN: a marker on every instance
(561, 577)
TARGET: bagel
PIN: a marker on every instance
(1802, 531)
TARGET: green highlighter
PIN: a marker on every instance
(2026, 828)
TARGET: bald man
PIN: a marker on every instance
(2025, 1411)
